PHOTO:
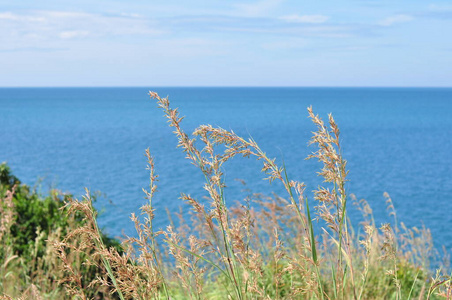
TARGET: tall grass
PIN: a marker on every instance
(32, 262)
(267, 247)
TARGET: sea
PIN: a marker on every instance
(395, 140)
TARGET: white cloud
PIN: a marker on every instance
(9, 16)
(285, 44)
(266, 26)
(436, 7)
(312, 19)
(73, 34)
(54, 14)
(132, 15)
(259, 8)
(20, 30)
(395, 20)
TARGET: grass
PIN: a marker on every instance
(32, 265)
(267, 247)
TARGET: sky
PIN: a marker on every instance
(225, 43)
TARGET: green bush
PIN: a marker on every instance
(28, 253)
(36, 214)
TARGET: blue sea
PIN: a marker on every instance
(396, 140)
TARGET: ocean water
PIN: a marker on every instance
(396, 140)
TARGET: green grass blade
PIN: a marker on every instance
(412, 286)
(334, 282)
(311, 231)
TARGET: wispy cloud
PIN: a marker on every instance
(286, 44)
(32, 49)
(200, 37)
(395, 20)
(73, 34)
(9, 16)
(266, 25)
(32, 28)
(436, 7)
(441, 12)
(313, 19)
(29, 29)
(258, 8)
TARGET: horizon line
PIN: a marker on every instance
(226, 86)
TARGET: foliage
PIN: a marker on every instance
(31, 224)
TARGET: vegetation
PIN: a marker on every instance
(263, 248)
(30, 228)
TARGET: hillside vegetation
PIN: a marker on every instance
(267, 247)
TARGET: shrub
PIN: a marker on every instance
(31, 225)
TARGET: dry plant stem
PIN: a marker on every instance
(334, 171)
(277, 173)
(311, 260)
(149, 210)
(100, 245)
(74, 277)
(441, 281)
(239, 145)
(97, 239)
(213, 186)
(6, 212)
(235, 145)
(7, 216)
(390, 252)
(367, 243)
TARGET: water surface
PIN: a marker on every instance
(395, 139)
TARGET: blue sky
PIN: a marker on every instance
(226, 43)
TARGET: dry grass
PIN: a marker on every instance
(263, 248)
